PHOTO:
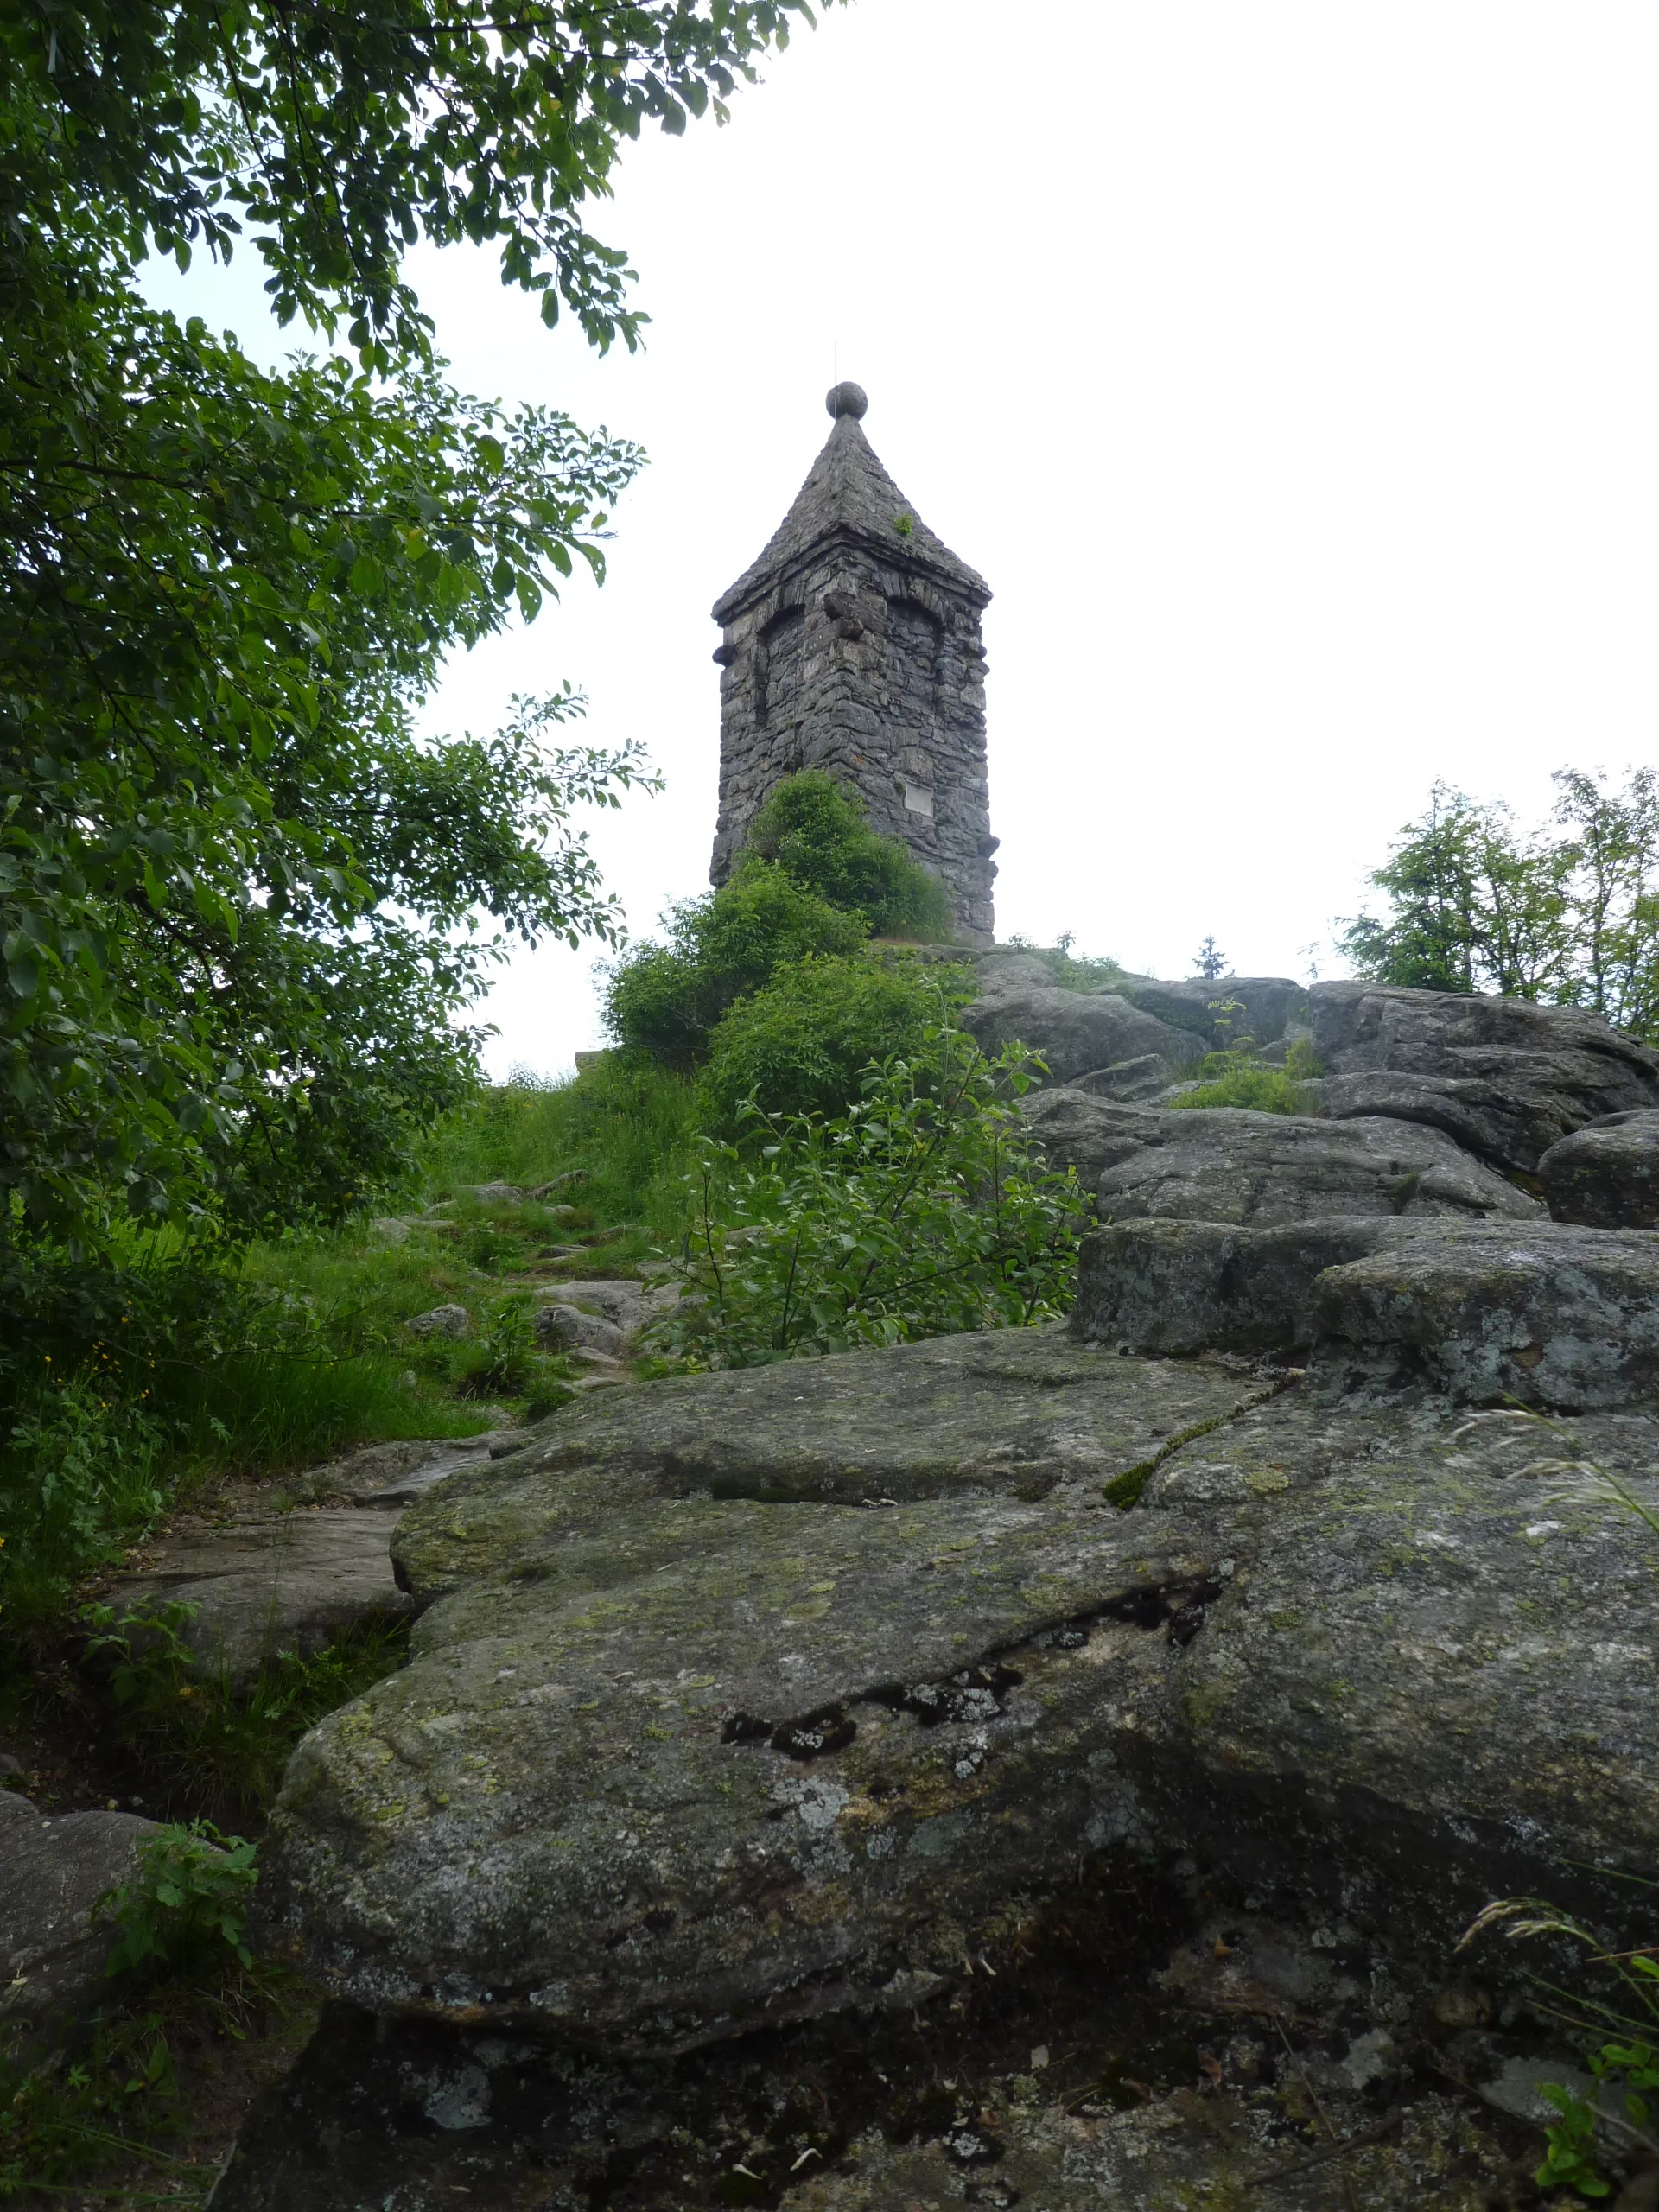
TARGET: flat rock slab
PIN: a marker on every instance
(1259, 1170)
(1006, 1413)
(1553, 1316)
(698, 1739)
(297, 1580)
(54, 1872)
(285, 1582)
(1225, 1164)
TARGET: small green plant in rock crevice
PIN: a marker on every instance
(187, 1904)
(502, 1361)
(201, 1732)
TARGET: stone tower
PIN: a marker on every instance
(853, 644)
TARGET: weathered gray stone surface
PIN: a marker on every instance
(1128, 1081)
(1507, 1079)
(624, 1303)
(1553, 1316)
(853, 644)
(278, 1582)
(53, 1872)
(1021, 2098)
(370, 1475)
(1549, 1315)
(668, 1764)
(1074, 1032)
(1007, 1411)
(1177, 1287)
(1222, 1164)
(1080, 1130)
(441, 1321)
(1605, 1175)
(1261, 1007)
(568, 1328)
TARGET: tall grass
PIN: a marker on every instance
(629, 1125)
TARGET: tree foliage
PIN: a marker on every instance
(666, 1000)
(1567, 914)
(339, 135)
(814, 880)
(241, 906)
(817, 830)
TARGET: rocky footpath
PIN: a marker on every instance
(1050, 1769)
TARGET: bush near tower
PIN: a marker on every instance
(770, 982)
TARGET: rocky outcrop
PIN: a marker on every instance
(1556, 1317)
(1076, 1031)
(1605, 1175)
(1222, 1164)
(1503, 1077)
(764, 1730)
(1219, 1013)
(1553, 1317)
(668, 1763)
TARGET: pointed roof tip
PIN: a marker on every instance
(848, 493)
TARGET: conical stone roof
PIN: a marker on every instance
(848, 495)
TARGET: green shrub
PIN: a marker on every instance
(816, 830)
(920, 1211)
(1237, 1079)
(664, 1000)
(801, 1044)
(187, 1903)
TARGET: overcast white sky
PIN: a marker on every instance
(1289, 367)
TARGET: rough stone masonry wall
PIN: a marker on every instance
(875, 671)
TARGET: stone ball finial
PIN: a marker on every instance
(846, 399)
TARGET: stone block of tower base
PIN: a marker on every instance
(853, 645)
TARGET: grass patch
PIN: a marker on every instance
(625, 1124)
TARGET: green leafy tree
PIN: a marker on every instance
(1568, 915)
(666, 1000)
(923, 1210)
(814, 882)
(817, 830)
(241, 906)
